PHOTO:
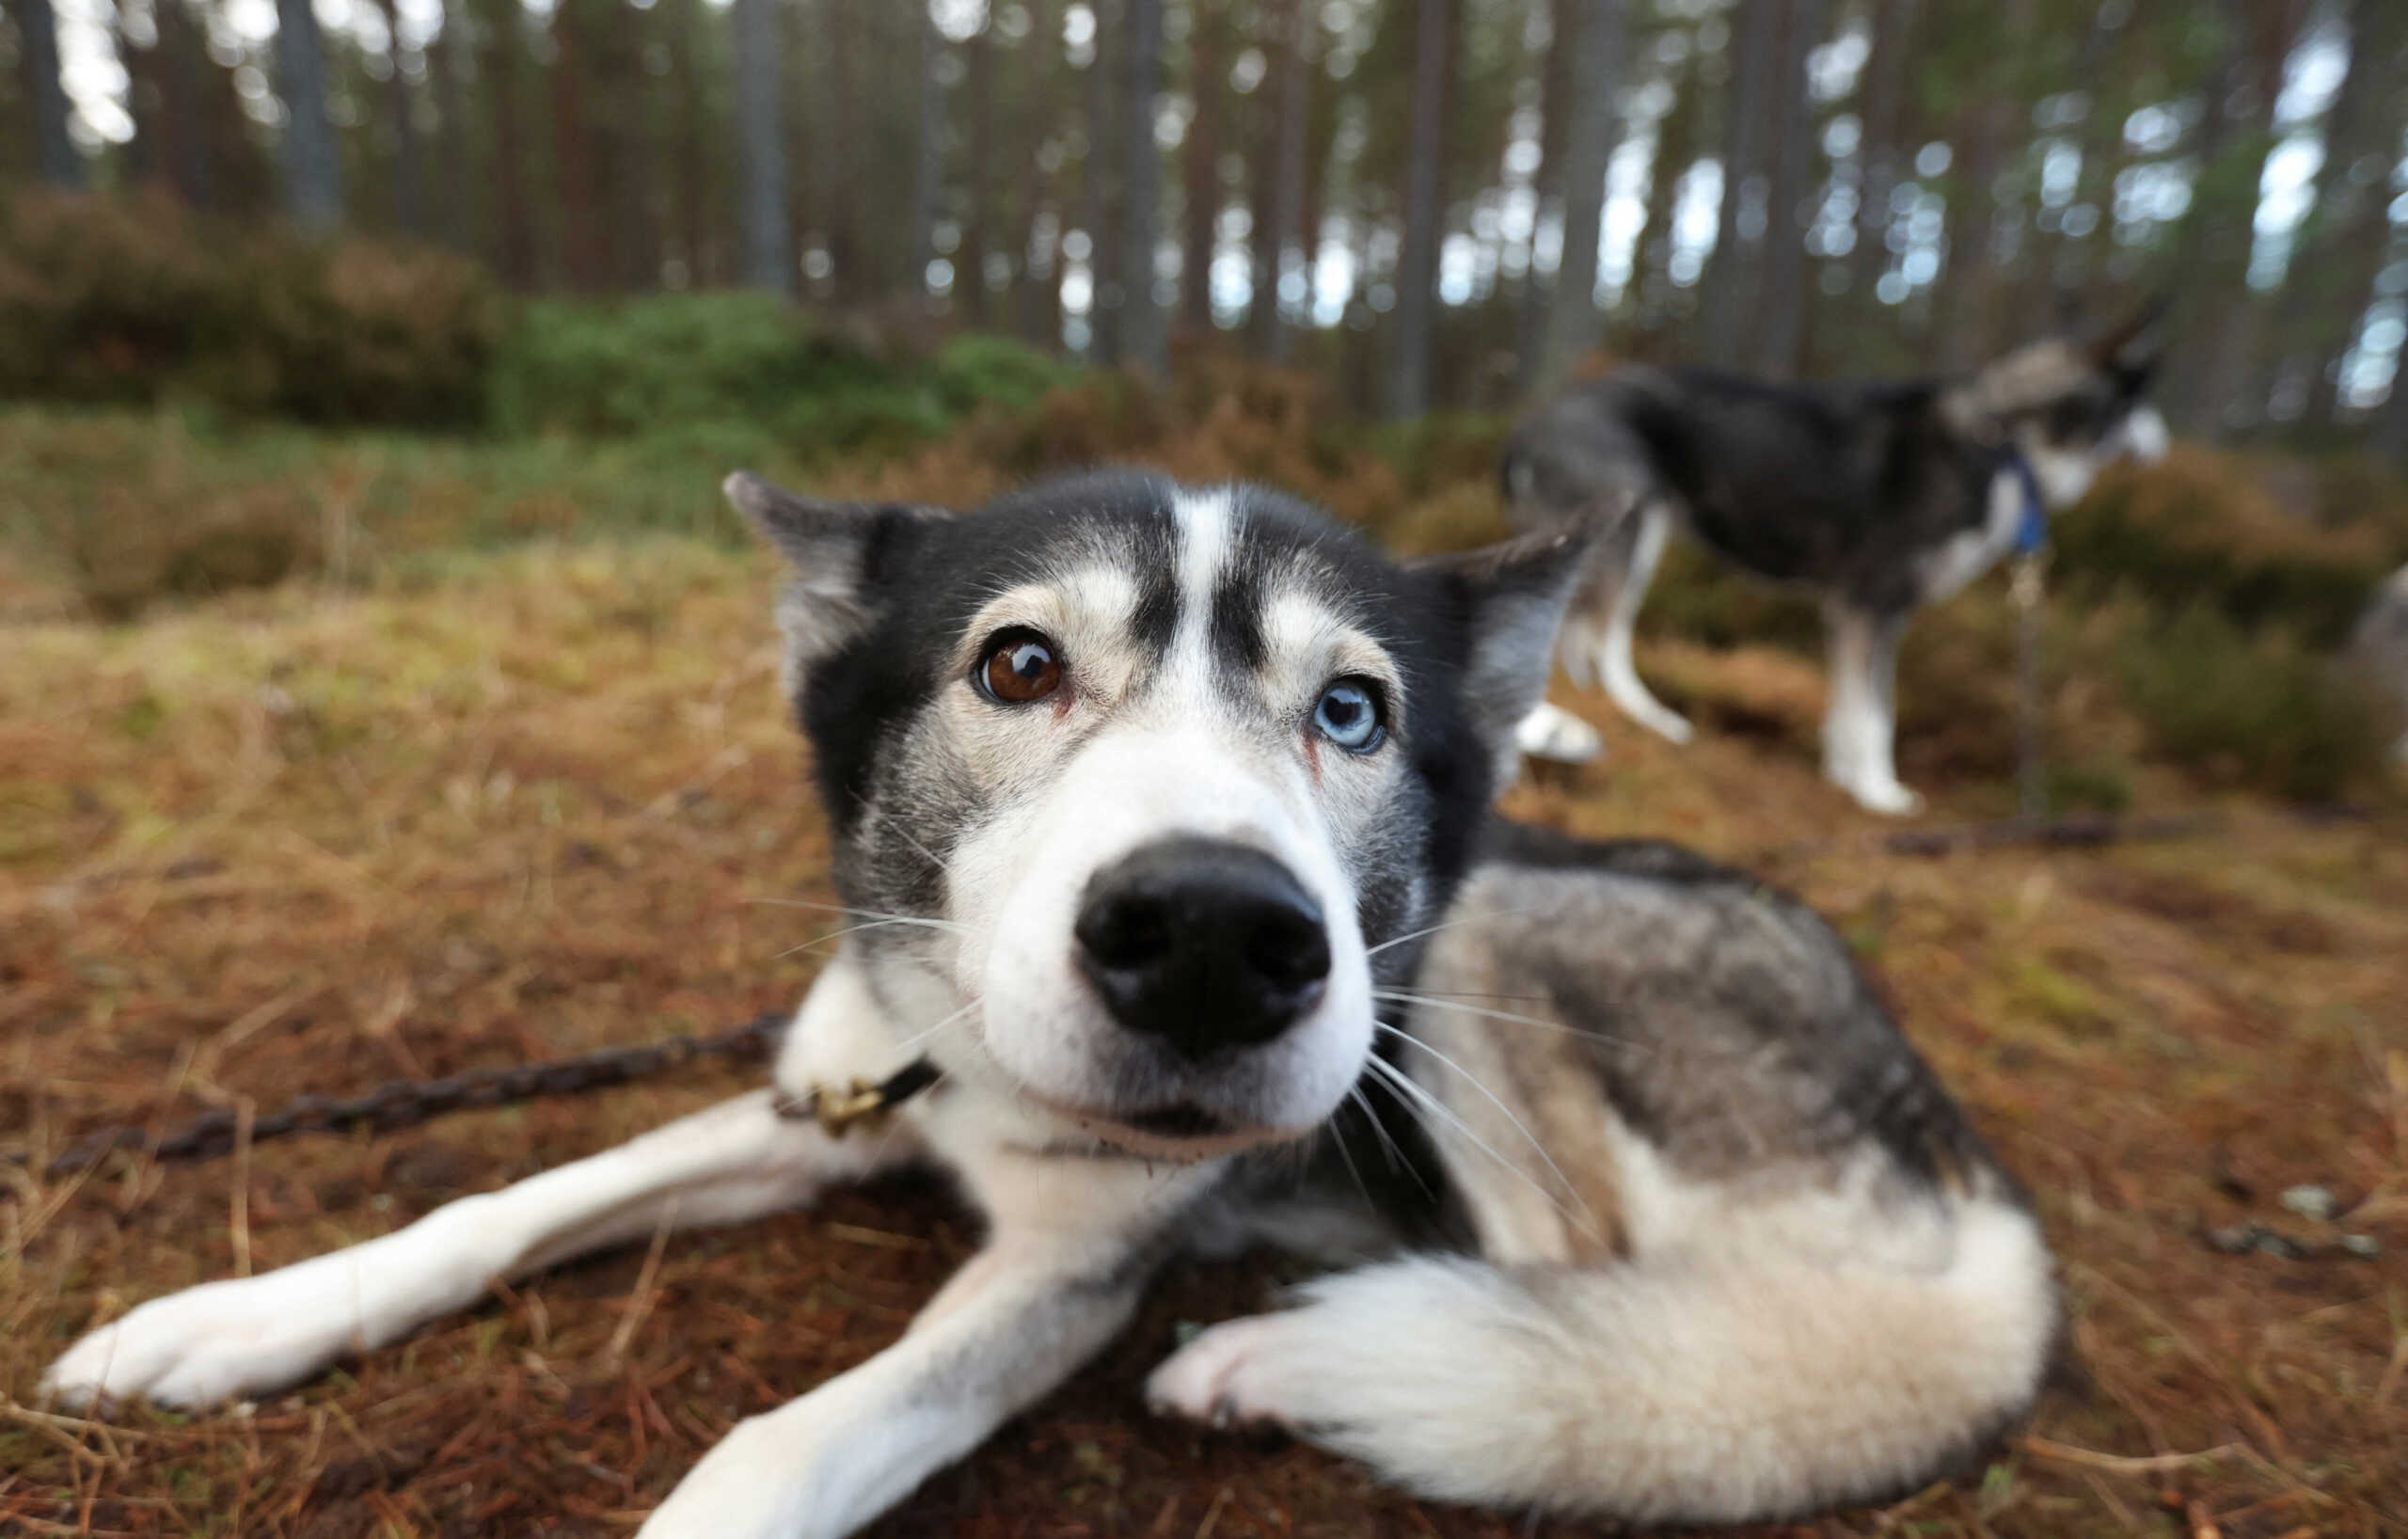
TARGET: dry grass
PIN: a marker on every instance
(522, 807)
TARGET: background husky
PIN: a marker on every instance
(1166, 812)
(1878, 497)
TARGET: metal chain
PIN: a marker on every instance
(406, 1104)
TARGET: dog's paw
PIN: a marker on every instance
(1231, 1375)
(1888, 797)
(220, 1341)
(1557, 735)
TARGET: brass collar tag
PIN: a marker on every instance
(861, 1100)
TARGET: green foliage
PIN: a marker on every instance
(136, 300)
(2249, 709)
(744, 364)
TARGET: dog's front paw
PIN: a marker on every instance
(220, 1341)
(1232, 1376)
(1888, 797)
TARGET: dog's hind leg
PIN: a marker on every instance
(1603, 650)
(1860, 722)
(247, 1336)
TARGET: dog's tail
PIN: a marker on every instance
(1699, 1389)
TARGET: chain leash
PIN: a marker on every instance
(406, 1104)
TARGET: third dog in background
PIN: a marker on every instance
(1880, 496)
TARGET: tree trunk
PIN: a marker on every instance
(61, 167)
(1575, 325)
(1424, 210)
(761, 149)
(1143, 345)
(1040, 289)
(1970, 306)
(409, 198)
(1885, 90)
(1729, 281)
(1547, 191)
(1096, 213)
(1781, 330)
(978, 90)
(573, 150)
(443, 57)
(1200, 179)
(2347, 251)
(313, 180)
(1286, 205)
(928, 195)
(514, 235)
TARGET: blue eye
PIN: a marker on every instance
(1349, 716)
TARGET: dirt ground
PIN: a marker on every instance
(544, 803)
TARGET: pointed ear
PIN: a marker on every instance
(1512, 598)
(840, 552)
(2132, 349)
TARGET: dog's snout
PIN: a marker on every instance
(1203, 943)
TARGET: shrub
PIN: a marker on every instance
(136, 299)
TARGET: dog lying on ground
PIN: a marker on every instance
(1186, 926)
(1878, 497)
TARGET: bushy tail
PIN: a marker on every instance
(1696, 1388)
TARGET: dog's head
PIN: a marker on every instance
(1154, 784)
(2072, 408)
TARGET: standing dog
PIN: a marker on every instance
(1169, 811)
(1879, 497)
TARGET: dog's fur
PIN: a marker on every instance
(1878, 497)
(1650, 1210)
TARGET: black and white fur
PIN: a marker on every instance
(1878, 497)
(1650, 1210)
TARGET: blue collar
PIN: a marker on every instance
(2032, 529)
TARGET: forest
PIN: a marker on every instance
(1433, 203)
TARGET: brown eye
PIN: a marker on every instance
(1020, 667)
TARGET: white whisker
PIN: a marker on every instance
(1403, 1083)
(922, 1036)
(1475, 1082)
(1403, 996)
(861, 913)
(1448, 924)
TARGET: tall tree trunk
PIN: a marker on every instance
(1575, 325)
(513, 226)
(1200, 179)
(2230, 397)
(1143, 345)
(573, 150)
(443, 60)
(1546, 189)
(1781, 330)
(2347, 255)
(1729, 281)
(409, 198)
(927, 204)
(978, 234)
(1885, 90)
(312, 178)
(1424, 209)
(61, 167)
(1097, 207)
(1040, 289)
(1971, 282)
(769, 252)
(840, 97)
(180, 60)
(1284, 227)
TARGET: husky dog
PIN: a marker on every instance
(1878, 497)
(1187, 922)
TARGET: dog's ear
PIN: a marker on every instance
(842, 554)
(1510, 598)
(2130, 351)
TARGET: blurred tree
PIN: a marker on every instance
(1731, 276)
(313, 182)
(1038, 262)
(1575, 325)
(1433, 54)
(1208, 63)
(1780, 330)
(38, 26)
(769, 255)
(409, 207)
(928, 203)
(978, 112)
(1283, 227)
(1881, 152)
(1098, 205)
(1143, 346)
(447, 55)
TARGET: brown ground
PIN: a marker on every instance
(291, 843)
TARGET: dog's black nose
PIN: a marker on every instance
(1203, 943)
